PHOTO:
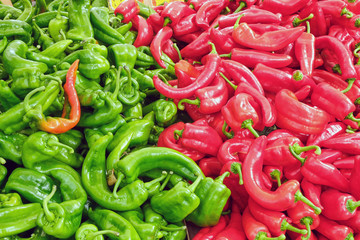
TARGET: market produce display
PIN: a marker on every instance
(238, 117)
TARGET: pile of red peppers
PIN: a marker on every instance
(272, 88)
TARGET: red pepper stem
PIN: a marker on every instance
(350, 236)
(351, 1)
(228, 81)
(29, 95)
(167, 20)
(351, 205)
(52, 142)
(241, 6)
(117, 84)
(172, 229)
(297, 21)
(213, 48)
(336, 69)
(248, 124)
(300, 197)
(346, 12)
(298, 149)
(177, 50)
(238, 21)
(285, 225)
(120, 177)
(352, 118)
(350, 84)
(178, 134)
(307, 26)
(276, 176)
(221, 178)
(148, 185)
(307, 221)
(298, 75)
(236, 169)
(189, 101)
(263, 236)
(350, 129)
(49, 215)
(228, 55)
(227, 134)
(165, 182)
(357, 23)
(356, 50)
(93, 235)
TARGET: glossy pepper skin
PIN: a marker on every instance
(10, 200)
(175, 11)
(165, 112)
(145, 32)
(20, 30)
(11, 146)
(88, 230)
(127, 10)
(344, 142)
(79, 19)
(209, 11)
(332, 230)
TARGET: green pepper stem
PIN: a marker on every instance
(238, 21)
(117, 84)
(297, 156)
(248, 124)
(307, 26)
(285, 225)
(55, 143)
(241, 6)
(7, 16)
(297, 21)
(2, 161)
(236, 169)
(351, 1)
(128, 86)
(177, 50)
(172, 229)
(221, 178)
(167, 61)
(336, 69)
(227, 134)
(167, 20)
(189, 101)
(263, 236)
(352, 205)
(298, 149)
(300, 197)
(93, 235)
(167, 179)
(276, 176)
(49, 215)
(307, 221)
(350, 236)
(194, 185)
(357, 23)
(356, 50)
(228, 55)
(156, 180)
(29, 95)
(228, 81)
(120, 177)
(350, 84)
(298, 75)
(352, 118)
(346, 12)
(178, 134)
(213, 48)
(350, 129)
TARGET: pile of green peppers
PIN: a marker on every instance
(104, 178)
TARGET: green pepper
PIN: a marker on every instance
(113, 126)
(79, 19)
(176, 235)
(140, 130)
(90, 231)
(26, 14)
(178, 202)
(99, 3)
(18, 219)
(213, 196)
(3, 73)
(31, 185)
(123, 55)
(71, 138)
(40, 6)
(3, 44)
(58, 26)
(144, 57)
(14, 57)
(43, 19)
(145, 10)
(129, 93)
(123, 29)
(99, 17)
(10, 200)
(25, 80)
(130, 37)
(8, 99)
(11, 146)
(3, 171)
(165, 112)
(154, 134)
(56, 4)
(109, 220)
(155, 173)
(41, 146)
(61, 220)
(133, 113)
(9, 10)
(153, 217)
(101, 49)
(145, 82)
(56, 49)
(41, 37)
(38, 57)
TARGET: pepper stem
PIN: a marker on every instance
(93, 235)
(357, 23)
(298, 75)
(300, 197)
(53, 143)
(248, 124)
(346, 12)
(236, 169)
(29, 95)
(178, 51)
(350, 236)
(356, 50)
(241, 6)
(228, 81)
(128, 86)
(336, 69)
(189, 101)
(228, 55)
(352, 118)
(352, 205)
(276, 176)
(238, 21)
(117, 84)
(285, 225)
(263, 236)
(221, 178)
(227, 134)
(296, 150)
(49, 215)
(167, 20)
(307, 221)
(2, 161)
(350, 84)
(178, 134)
(195, 184)
(156, 180)
(213, 48)
(165, 182)
(120, 177)
(307, 26)
(172, 229)
(297, 21)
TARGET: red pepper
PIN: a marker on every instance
(203, 80)
(188, 68)
(305, 52)
(234, 168)
(211, 167)
(167, 139)
(274, 173)
(209, 99)
(303, 92)
(284, 197)
(347, 162)
(157, 43)
(318, 172)
(335, 8)
(169, 49)
(240, 73)
(222, 41)
(186, 25)
(338, 205)
(234, 149)
(353, 222)
(190, 37)
(127, 10)
(255, 229)
(284, 7)
(333, 230)
(252, 15)
(331, 61)
(312, 192)
(261, 28)
(208, 233)
(196, 4)
(290, 50)
(200, 136)
(344, 36)
(234, 229)
(332, 129)
(317, 22)
(209, 11)
(345, 142)
(61, 124)
(252, 57)
(144, 31)
(345, 62)
(277, 222)
(174, 11)
(355, 177)
(293, 172)
(331, 155)
(155, 21)
(269, 41)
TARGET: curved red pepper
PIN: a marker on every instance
(128, 9)
(318, 24)
(297, 116)
(234, 149)
(285, 7)
(211, 166)
(312, 192)
(345, 142)
(347, 162)
(196, 4)
(155, 21)
(156, 45)
(331, 130)
(208, 11)
(174, 11)
(169, 49)
(223, 42)
(186, 25)
(208, 233)
(234, 229)
(261, 28)
(335, 8)
(353, 222)
(334, 231)
(144, 31)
